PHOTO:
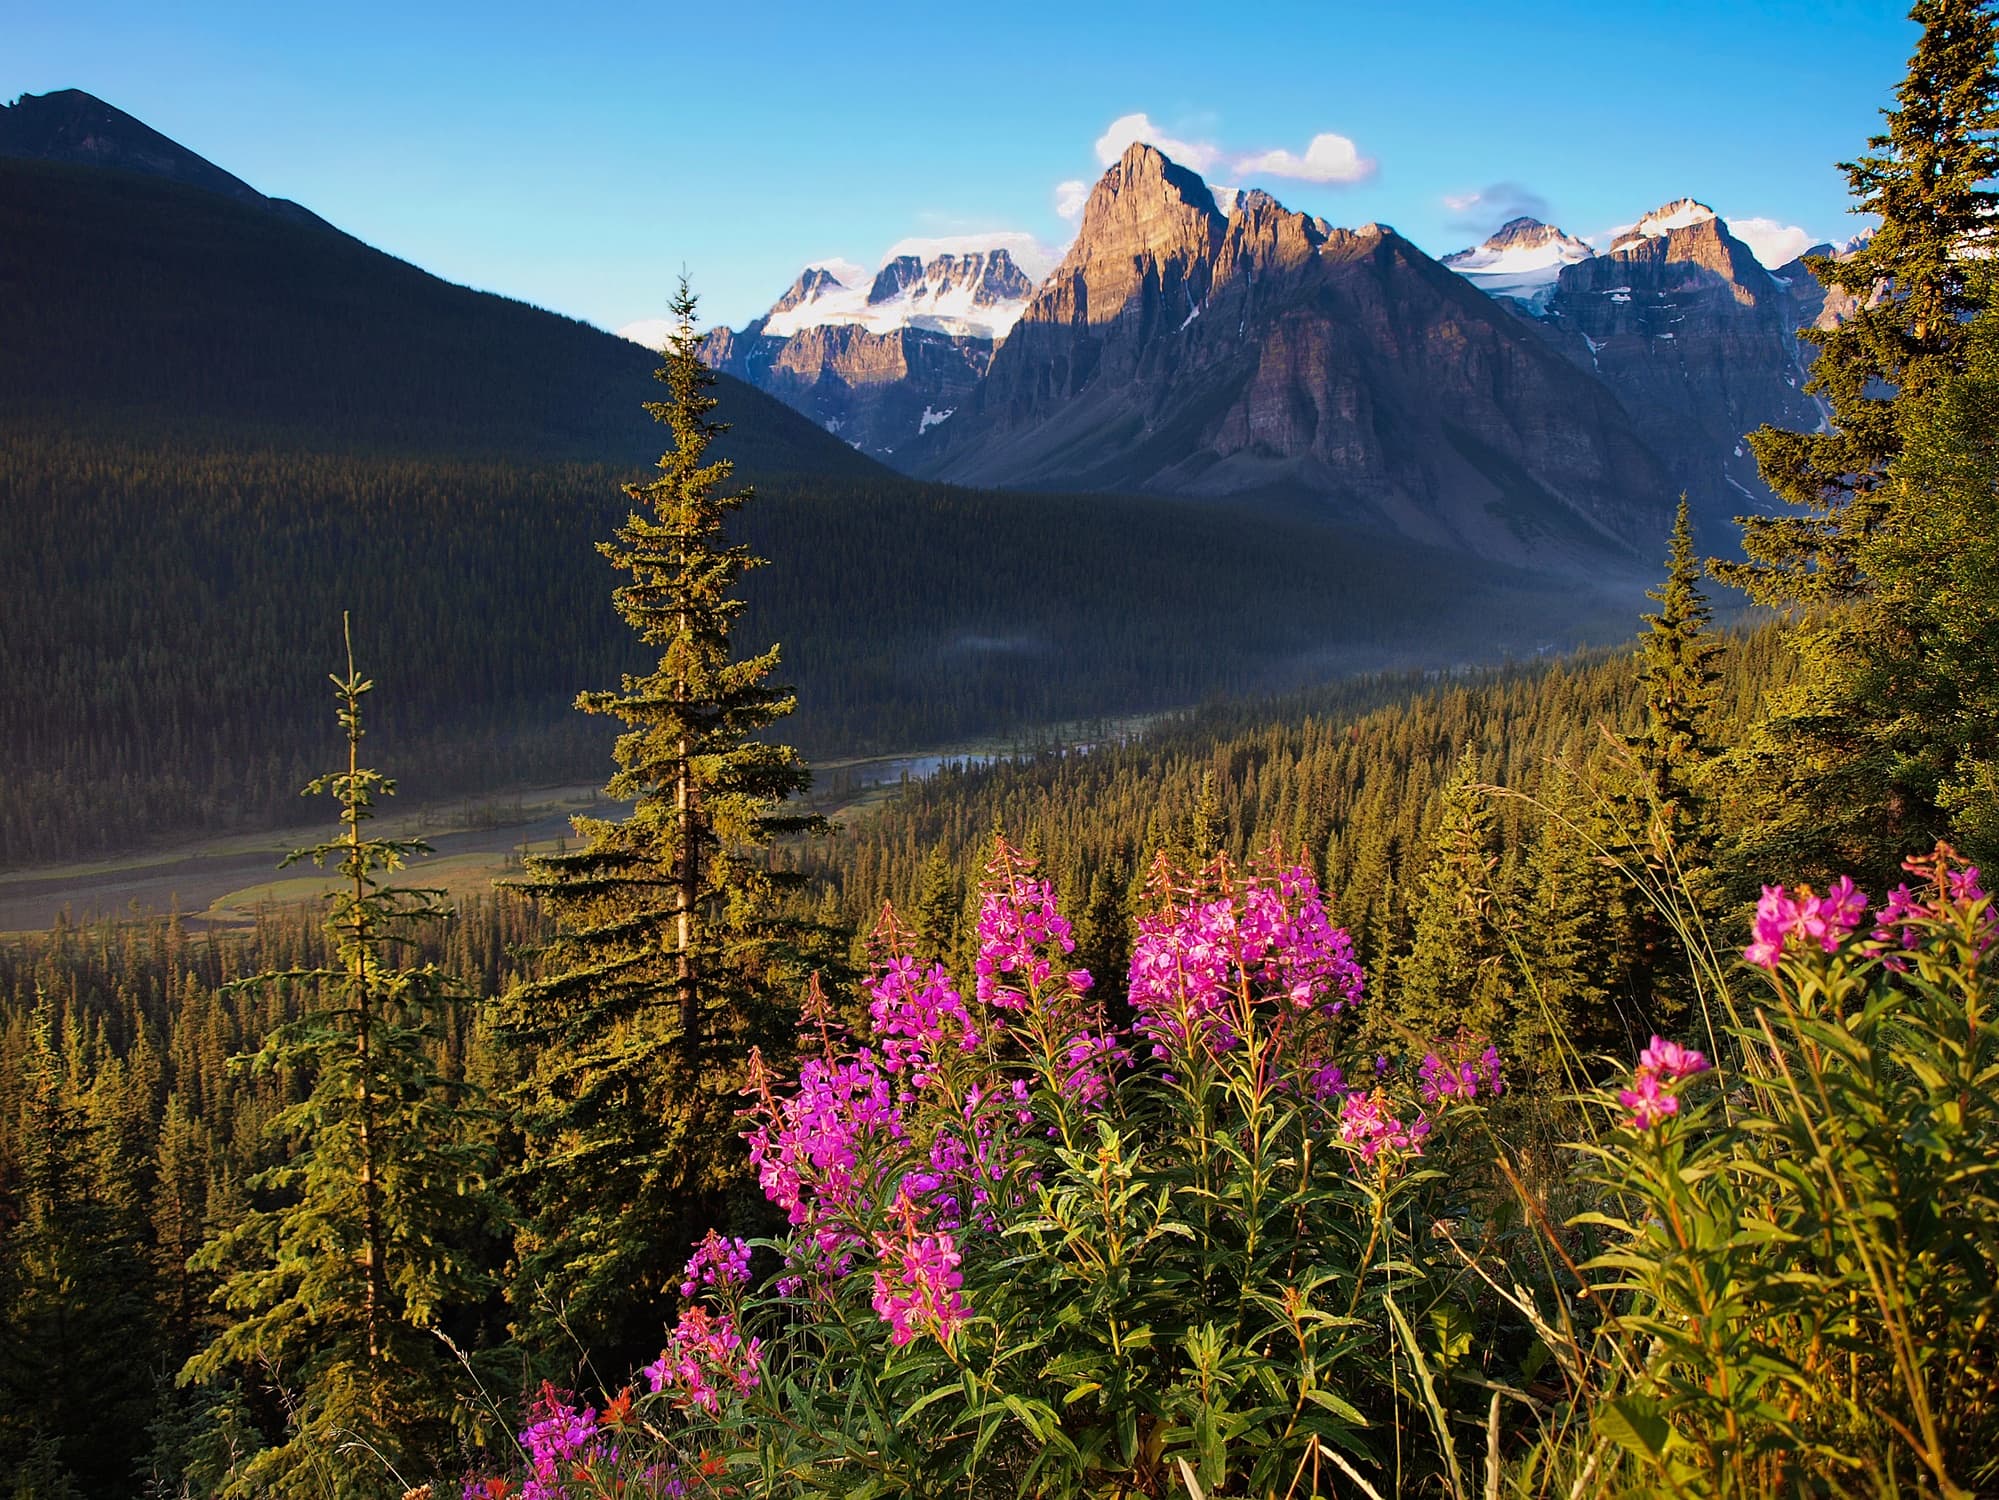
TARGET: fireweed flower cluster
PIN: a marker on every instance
(901, 1156)
(1367, 1124)
(1662, 1067)
(972, 1158)
(1019, 929)
(704, 1357)
(561, 1441)
(808, 1148)
(1198, 966)
(1089, 1063)
(1793, 921)
(1802, 917)
(917, 1281)
(915, 1011)
(716, 1262)
(1456, 1073)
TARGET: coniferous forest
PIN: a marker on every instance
(1573, 1077)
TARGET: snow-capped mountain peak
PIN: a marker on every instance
(963, 289)
(1521, 260)
(1682, 213)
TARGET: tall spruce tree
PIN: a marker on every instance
(1928, 678)
(1890, 739)
(1663, 816)
(1572, 932)
(1455, 972)
(1907, 290)
(672, 960)
(1825, 787)
(364, 1244)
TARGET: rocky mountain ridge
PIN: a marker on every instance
(1265, 353)
(1697, 339)
(878, 360)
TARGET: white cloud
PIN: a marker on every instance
(1122, 132)
(1329, 158)
(1070, 197)
(1770, 242)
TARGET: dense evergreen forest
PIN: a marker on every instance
(166, 677)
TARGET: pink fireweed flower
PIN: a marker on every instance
(1457, 1074)
(716, 1262)
(1895, 921)
(1781, 918)
(1662, 1066)
(1648, 1100)
(808, 1148)
(917, 1286)
(1671, 1061)
(557, 1439)
(1365, 1122)
(914, 1012)
(1327, 1081)
(1267, 941)
(704, 1356)
(1018, 928)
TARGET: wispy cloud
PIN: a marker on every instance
(1494, 204)
(1125, 130)
(1329, 158)
(1070, 197)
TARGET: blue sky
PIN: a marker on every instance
(578, 155)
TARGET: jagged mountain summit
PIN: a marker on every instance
(879, 359)
(1521, 261)
(1258, 352)
(972, 293)
(1659, 224)
(1698, 340)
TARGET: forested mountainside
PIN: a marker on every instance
(168, 674)
(140, 310)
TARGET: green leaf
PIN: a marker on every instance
(1638, 1425)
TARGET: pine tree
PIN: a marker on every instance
(1678, 678)
(1574, 940)
(940, 899)
(363, 1244)
(1931, 670)
(1928, 181)
(671, 961)
(1455, 972)
(1662, 815)
(1889, 741)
